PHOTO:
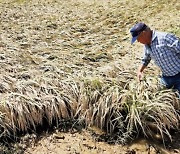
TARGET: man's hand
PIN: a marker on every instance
(140, 72)
(140, 76)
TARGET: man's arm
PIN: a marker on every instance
(145, 61)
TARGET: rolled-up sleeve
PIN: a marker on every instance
(146, 57)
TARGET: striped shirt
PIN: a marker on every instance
(165, 51)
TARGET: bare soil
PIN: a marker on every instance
(86, 143)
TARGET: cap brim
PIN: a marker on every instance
(134, 39)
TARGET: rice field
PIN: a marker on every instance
(72, 61)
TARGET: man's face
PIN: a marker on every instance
(144, 37)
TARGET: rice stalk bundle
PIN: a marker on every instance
(126, 107)
(144, 105)
(22, 114)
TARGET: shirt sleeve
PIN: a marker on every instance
(173, 42)
(146, 57)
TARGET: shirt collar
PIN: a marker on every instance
(154, 35)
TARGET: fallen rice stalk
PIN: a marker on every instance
(127, 110)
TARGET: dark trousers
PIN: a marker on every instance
(171, 81)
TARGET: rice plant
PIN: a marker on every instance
(126, 109)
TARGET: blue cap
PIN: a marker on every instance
(136, 30)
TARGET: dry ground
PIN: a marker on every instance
(64, 39)
(85, 143)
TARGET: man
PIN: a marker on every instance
(164, 49)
